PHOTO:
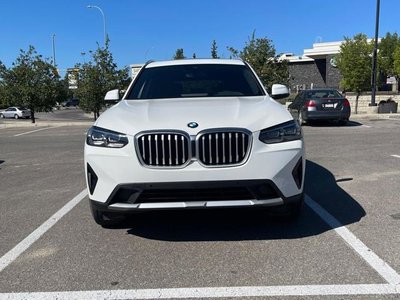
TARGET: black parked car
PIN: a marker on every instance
(70, 102)
(320, 104)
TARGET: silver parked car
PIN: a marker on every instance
(16, 112)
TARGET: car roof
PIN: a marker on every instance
(196, 61)
(321, 89)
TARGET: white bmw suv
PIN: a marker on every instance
(194, 134)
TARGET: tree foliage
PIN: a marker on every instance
(31, 82)
(387, 48)
(214, 49)
(396, 62)
(179, 54)
(355, 64)
(260, 53)
(98, 76)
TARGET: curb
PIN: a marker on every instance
(44, 124)
(374, 116)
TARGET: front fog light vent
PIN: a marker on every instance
(91, 178)
(298, 173)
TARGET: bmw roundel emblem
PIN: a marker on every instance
(192, 125)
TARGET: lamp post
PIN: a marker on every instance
(374, 57)
(104, 21)
(54, 50)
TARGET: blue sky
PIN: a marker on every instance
(140, 30)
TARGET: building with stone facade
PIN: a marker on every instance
(316, 68)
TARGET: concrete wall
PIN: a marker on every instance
(364, 100)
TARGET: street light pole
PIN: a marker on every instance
(54, 50)
(374, 58)
(104, 21)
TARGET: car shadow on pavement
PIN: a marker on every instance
(252, 224)
(334, 124)
(1, 161)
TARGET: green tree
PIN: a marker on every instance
(260, 53)
(179, 54)
(355, 64)
(387, 47)
(396, 62)
(98, 76)
(31, 82)
(214, 49)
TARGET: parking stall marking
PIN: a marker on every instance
(216, 292)
(14, 253)
(32, 131)
(397, 156)
(383, 269)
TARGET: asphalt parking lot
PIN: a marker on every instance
(345, 245)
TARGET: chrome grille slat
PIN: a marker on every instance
(176, 150)
(216, 146)
(230, 147)
(163, 149)
(169, 148)
(150, 154)
(183, 149)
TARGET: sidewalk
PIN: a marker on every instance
(43, 123)
(364, 116)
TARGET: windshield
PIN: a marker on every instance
(317, 94)
(207, 80)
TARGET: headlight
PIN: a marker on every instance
(285, 132)
(101, 137)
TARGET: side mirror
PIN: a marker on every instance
(279, 91)
(112, 95)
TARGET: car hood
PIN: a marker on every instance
(253, 113)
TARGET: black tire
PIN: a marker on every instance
(2, 116)
(105, 219)
(289, 211)
(343, 122)
(16, 117)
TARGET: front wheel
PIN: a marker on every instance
(104, 219)
(16, 117)
(2, 116)
(289, 211)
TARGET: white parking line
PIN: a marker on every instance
(366, 126)
(219, 292)
(397, 156)
(13, 254)
(383, 269)
(32, 131)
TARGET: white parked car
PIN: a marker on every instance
(194, 134)
(16, 112)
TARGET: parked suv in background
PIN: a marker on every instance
(320, 104)
(192, 134)
(16, 112)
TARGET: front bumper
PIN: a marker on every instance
(119, 171)
(327, 115)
